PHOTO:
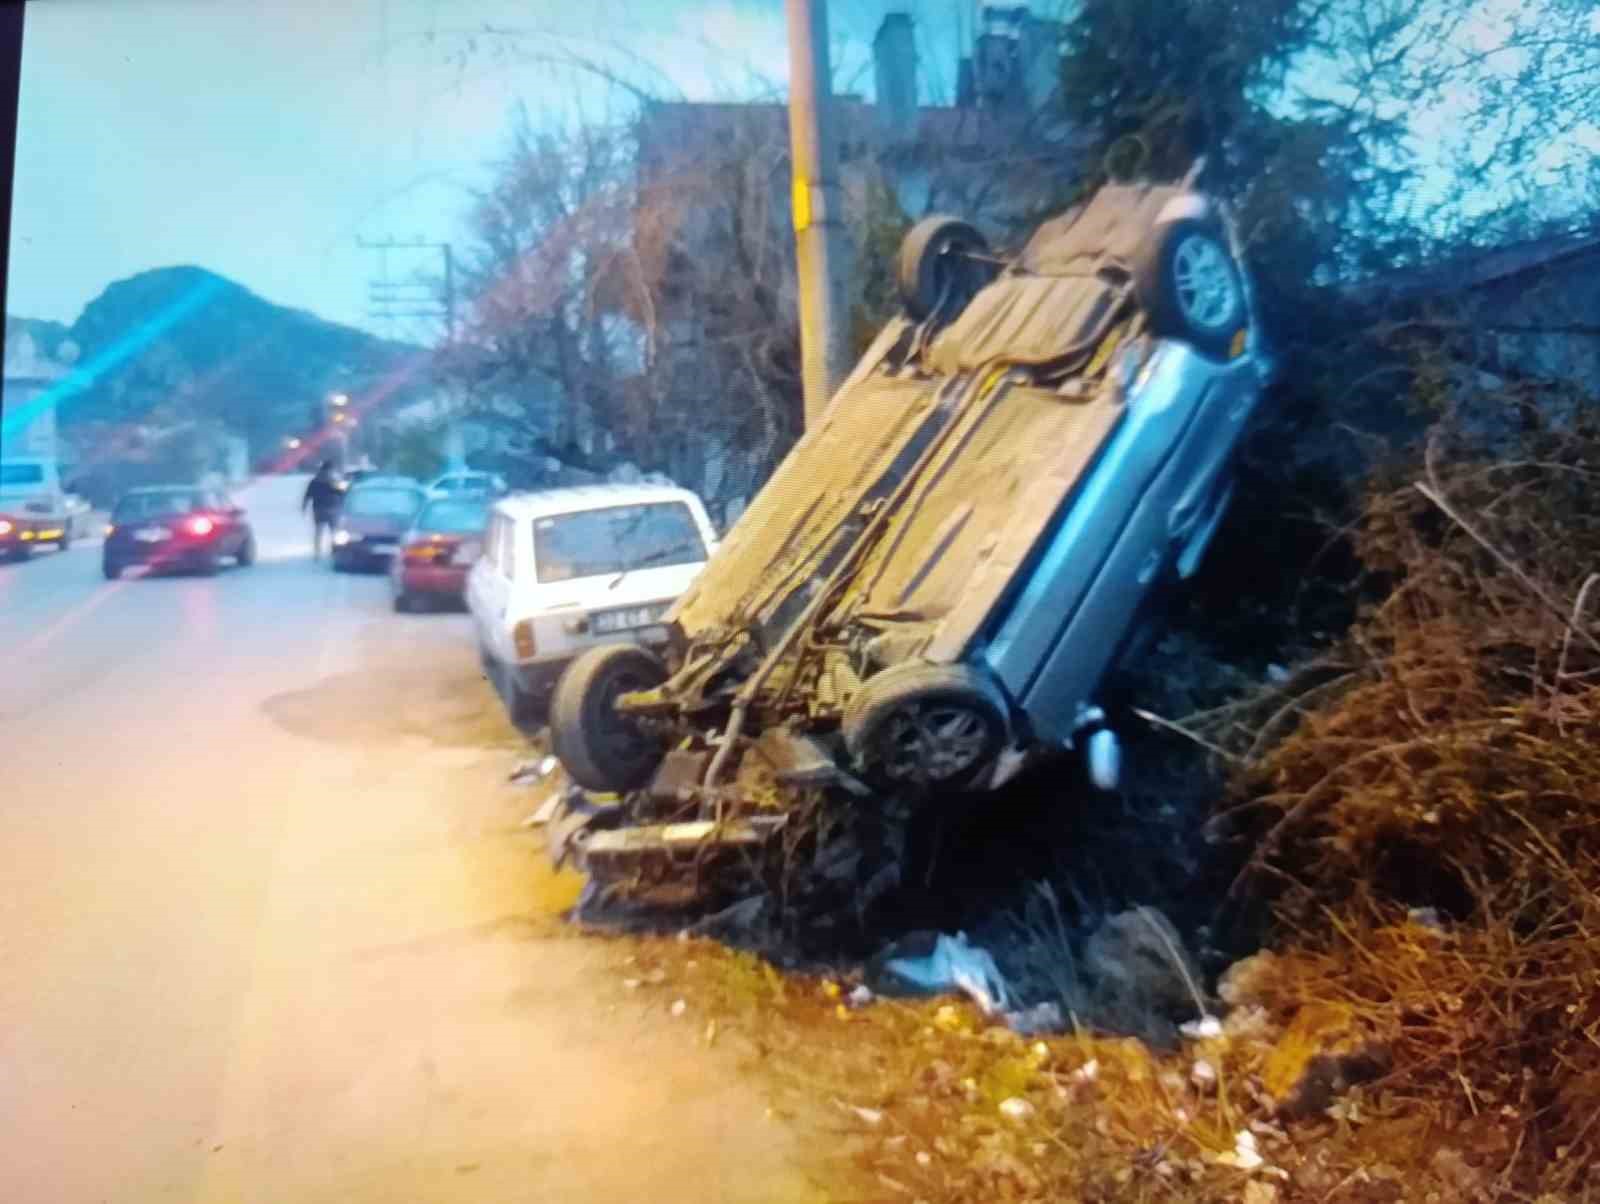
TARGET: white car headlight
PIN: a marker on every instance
(341, 537)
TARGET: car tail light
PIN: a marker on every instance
(201, 526)
(422, 552)
(522, 636)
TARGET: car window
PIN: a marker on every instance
(508, 549)
(154, 505)
(491, 541)
(381, 502)
(21, 474)
(587, 543)
(453, 518)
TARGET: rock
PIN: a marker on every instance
(741, 923)
(1043, 1017)
(1203, 1029)
(1142, 977)
(1325, 1049)
(1247, 981)
(1016, 1108)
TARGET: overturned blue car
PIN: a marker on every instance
(930, 590)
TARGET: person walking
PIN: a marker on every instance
(322, 498)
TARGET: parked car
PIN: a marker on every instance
(944, 568)
(33, 507)
(176, 527)
(566, 569)
(444, 542)
(373, 519)
(469, 484)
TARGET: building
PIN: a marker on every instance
(994, 156)
(1530, 308)
(713, 230)
(27, 407)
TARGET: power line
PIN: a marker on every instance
(384, 292)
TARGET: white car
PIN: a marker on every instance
(566, 569)
(476, 484)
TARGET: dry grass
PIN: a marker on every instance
(1454, 773)
(1418, 809)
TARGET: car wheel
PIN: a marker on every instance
(1191, 288)
(404, 602)
(601, 749)
(111, 569)
(935, 270)
(208, 565)
(925, 727)
(65, 541)
(247, 552)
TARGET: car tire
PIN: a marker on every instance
(933, 269)
(65, 541)
(925, 727)
(599, 748)
(208, 565)
(404, 602)
(1190, 287)
(247, 552)
(110, 569)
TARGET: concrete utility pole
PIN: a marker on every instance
(818, 209)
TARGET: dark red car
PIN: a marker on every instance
(179, 527)
(437, 551)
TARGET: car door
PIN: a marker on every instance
(498, 583)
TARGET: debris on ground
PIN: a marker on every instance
(928, 963)
(532, 771)
(1142, 975)
(1326, 1049)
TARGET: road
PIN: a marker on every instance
(270, 930)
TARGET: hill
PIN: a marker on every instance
(182, 344)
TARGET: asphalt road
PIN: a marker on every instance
(270, 930)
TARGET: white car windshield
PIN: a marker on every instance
(587, 543)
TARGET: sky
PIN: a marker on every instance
(262, 138)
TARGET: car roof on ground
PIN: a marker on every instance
(547, 502)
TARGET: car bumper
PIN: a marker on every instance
(167, 554)
(372, 552)
(24, 533)
(444, 580)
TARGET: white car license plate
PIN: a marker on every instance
(382, 549)
(625, 620)
(150, 534)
